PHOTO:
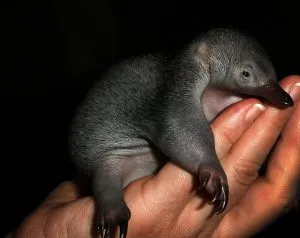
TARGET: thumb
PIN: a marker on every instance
(62, 214)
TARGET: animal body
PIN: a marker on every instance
(152, 104)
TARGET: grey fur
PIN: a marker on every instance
(151, 104)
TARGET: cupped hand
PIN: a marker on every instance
(168, 205)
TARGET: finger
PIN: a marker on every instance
(66, 192)
(232, 123)
(272, 195)
(172, 186)
(74, 219)
(162, 196)
(249, 153)
(283, 168)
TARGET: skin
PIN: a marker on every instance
(255, 201)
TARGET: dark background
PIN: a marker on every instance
(53, 50)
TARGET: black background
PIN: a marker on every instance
(53, 50)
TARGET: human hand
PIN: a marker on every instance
(167, 204)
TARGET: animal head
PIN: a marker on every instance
(237, 62)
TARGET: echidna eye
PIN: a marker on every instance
(246, 73)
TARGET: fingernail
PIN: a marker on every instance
(295, 92)
(254, 111)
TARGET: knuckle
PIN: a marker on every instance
(228, 138)
(245, 172)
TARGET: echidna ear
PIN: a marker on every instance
(202, 48)
(202, 54)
